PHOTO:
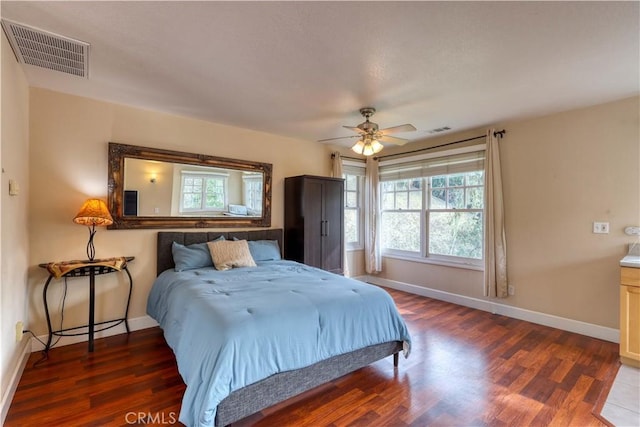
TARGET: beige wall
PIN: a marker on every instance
(154, 198)
(14, 250)
(68, 164)
(561, 172)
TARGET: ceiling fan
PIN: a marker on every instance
(371, 136)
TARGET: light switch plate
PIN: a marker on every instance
(14, 188)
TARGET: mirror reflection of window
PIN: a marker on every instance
(252, 184)
(203, 193)
(175, 189)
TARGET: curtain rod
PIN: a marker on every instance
(498, 134)
(333, 156)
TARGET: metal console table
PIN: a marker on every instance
(84, 268)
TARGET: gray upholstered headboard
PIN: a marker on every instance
(166, 238)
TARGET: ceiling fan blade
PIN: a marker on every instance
(397, 129)
(355, 129)
(340, 137)
(393, 140)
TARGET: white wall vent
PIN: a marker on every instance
(438, 130)
(47, 50)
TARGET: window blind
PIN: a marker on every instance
(202, 173)
(353, 170)
(457, 163)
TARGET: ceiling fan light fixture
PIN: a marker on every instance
(367, 147)
(367, 150)
(377, 147)
(370, 135)
(358, 147)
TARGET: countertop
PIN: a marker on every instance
(630, 261)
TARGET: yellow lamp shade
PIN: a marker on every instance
(93, 212)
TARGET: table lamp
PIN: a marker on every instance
(93, 212)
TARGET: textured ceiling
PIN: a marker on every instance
(303, 69)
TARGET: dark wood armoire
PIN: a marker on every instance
(314, 221)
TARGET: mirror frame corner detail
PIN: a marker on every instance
(119, 152)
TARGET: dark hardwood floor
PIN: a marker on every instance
(466, 368)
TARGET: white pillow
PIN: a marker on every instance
(228, 254)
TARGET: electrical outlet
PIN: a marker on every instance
(19, 331)
(511, 290)
(601, 227)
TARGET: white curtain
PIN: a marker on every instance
(336, 165)
(495, 249)
(372, 256)
(336, 172)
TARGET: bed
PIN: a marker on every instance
(223, 384)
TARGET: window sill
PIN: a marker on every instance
(354, 248)
(432, 261)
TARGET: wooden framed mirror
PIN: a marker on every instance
(156, 188)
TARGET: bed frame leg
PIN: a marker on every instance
(395, 360)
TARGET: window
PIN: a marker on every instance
(454, 215)
(253, 193)
(203, 192)
(432, 208)
(353, 206)
(401, 202)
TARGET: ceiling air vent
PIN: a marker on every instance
(47, 50)
(438, 130)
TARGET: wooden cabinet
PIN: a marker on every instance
(630, 316)
(314, 221)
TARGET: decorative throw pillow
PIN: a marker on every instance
(264, 250)
(228, 254)
(191, 256)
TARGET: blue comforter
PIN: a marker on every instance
(229, 329)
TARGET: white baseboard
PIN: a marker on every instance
(13, 383)
(570, 325)
(135, 324)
